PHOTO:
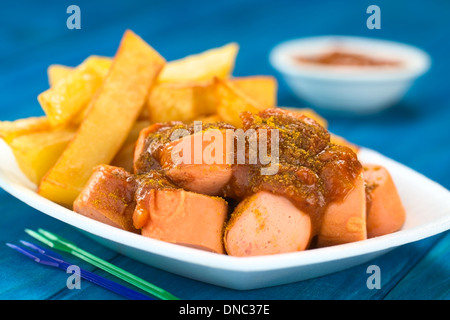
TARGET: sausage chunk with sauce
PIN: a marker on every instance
(344, 220)
(319, 196)
(201, 165)
(109, 197)
(182, 217)
(152, 205)
(264, 224)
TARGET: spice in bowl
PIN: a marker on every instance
(346, 58)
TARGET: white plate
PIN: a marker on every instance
(426, 202)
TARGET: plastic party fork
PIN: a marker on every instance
(59, 243)
(52, 259)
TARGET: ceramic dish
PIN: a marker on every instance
(426, 202)
(349, 89)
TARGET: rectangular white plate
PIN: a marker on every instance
(426, 202)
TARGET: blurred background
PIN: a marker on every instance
(34, 35)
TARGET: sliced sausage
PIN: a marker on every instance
(205, 179)
(198, 162)
(182, 217)
(149, 143)
(264, 224)
(345, 221)
(108, 197)
(385, 211)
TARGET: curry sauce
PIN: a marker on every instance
(346, 58)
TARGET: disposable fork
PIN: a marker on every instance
(52, 259)
(59, 243)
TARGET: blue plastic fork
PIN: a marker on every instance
(53, 259)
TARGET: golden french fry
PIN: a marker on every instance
(36, 153)
(205, 99)
(262, 89)
(169, 101)
(135, 130)
(71, 94)
(99, 64)
(112, 113)
(144, 115)
(217, 62)
(124, 157)
(12, 129)
(186, 101)
(185, 90)
(231, 101)
(210, 119)
(56, 72)
(181, 101)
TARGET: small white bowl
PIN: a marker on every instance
(355, 89)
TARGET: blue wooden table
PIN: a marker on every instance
(33, 35)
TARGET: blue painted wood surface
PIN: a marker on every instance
(416, 132)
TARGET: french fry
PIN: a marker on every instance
(56, 72)
(70, 95)
(185, 90)
(112, 113)
(231, 101)
(217, 62)
(133, 135)
(186, 101)
(12, 129)
(210, 119)
(263, 89)
(205, 99)
(124, 157)
(36, 153)
(169, 101)
(180, 101)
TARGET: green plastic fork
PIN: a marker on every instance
(59, 243)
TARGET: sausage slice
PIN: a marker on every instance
(385, 211)
(182, 217)
(345, 221)
(264, 224)
(108, 197)
(202, 164)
